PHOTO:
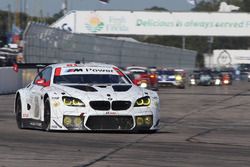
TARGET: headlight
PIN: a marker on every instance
(192, 81)
(217, 82)
(226, 81)
(73, 122)
(144, 121)
(248, 76)
(71, 101)
(178, 78)
(143, 85)
(142, 102)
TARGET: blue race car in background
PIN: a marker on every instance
(171, 78)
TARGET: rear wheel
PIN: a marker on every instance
(46, 123)
(18, 111)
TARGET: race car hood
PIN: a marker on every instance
(103, 92)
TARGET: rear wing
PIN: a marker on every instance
(37, 66)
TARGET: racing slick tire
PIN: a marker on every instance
(46, 122)
(18, 112)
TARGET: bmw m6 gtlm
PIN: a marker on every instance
(90, 96)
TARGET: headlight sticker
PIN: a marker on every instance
(143, 102)
(71, 101)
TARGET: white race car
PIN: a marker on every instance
(89, 96)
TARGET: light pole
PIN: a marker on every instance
(17, 14)
(210, 49)
(65, 6)
(9, 18)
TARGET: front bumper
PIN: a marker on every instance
(107, 122)
(141, 118)
(119, 116)
(170, 83)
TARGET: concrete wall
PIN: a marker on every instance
(10, 81)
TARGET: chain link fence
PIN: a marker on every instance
(49, 45)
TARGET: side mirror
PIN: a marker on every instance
(42, 82)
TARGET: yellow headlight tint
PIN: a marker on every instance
(178, 77)
(139, 121)
(145, 121)
(145, 101)
(67, 121)
(76, 102)
(73, 122)
(148, 120)
(139, 102)
(71, 101)
(77, 120)
(67, 102)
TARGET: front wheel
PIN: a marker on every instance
(18, 111)
(46, 123)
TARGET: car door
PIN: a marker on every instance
(37, 92)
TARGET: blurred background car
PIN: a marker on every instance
(143, 77)
(204, 78)
(171, 78)
(226, 78)
(8, 56)
(210, 77)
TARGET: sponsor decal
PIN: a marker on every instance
(36, 124)
(143, 112)
(117, 24)
(111, 113)
(156, 104)
(204, 24)
(224, 58)
(99, 70)
(54, 126)
(66, 27)
(75, 70)
(96, 70)
(155, 97)
(56, 104)
(94, 24)
(242, 58)
(25, 115)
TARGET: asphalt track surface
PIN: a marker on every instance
(200, 127)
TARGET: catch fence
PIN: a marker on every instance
(49, 45)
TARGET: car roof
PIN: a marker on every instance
(136, 67)
(91, 64)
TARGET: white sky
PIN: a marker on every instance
(50, 7)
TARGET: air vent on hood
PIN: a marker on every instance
(121, 88)
(83, 88)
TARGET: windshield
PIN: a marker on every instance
(205, 77)
(91, 79)
(166, 72)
